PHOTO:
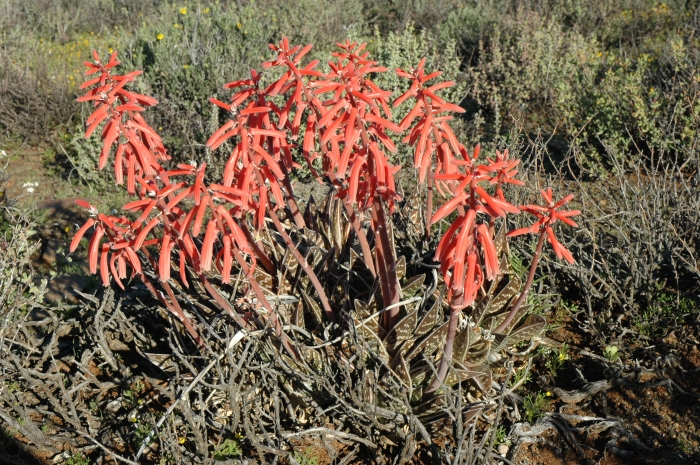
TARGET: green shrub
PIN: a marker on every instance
(610, 75)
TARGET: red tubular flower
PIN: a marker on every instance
(546, 217)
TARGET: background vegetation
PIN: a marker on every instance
(600, 97)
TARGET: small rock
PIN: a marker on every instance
(114, 405)
(62, 457)
(502, 450)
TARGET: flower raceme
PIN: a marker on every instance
(138, 153)
(546, 217)
(431, 133)
(467, 253)
(120, 110)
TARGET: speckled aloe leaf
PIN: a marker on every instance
(374, 343)
(531, 327)
(429, 343)
(484, 379)
(522, 311)
(289, 264)
(315, 308)
(460, 373)
(402, 348)
(418, 373)
(405, 329)
(324, 262)
(264, 280)
(297, 316)
(503, 297)
(312, 237)
(412, 286)
(478, 312)
(429, 320)
(274, 242)
(401, 267)
(392, 240)
(501, 244)
(314, 256)
(313, 358)
(477, 354)
(499, 342)
(310, 213)
(402, 370)
(463, 340)
(354, 258)
(362, 312)
(337, 229)
(411, 216)
(492, 321)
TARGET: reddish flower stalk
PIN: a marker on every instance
(546, 217)
(467, 253)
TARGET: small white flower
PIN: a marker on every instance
(30, 186)
(3, 154)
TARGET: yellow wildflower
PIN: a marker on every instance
(160, 36)
(239, 25)
(111, 50)
(548, 394)
(185, 66)
(206, 10)
(181, 440)
(183, 10)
